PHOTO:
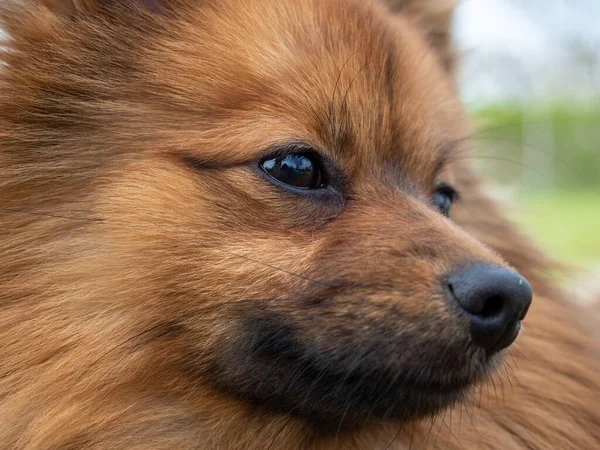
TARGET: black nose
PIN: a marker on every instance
(496, 300)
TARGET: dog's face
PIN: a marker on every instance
(274, 182)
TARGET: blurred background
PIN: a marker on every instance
(531, 81)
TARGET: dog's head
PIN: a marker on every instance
(271, 185)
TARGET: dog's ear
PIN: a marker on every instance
(434, 18)
(66, 7)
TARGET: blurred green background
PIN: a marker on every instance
(544, 159)
(530, 78)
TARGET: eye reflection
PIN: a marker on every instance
(298, 170)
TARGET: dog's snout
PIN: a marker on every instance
(495, 299)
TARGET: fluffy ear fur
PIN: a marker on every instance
(435, 18)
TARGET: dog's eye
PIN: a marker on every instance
(443, 197)
(300, 170)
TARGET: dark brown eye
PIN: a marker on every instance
(299, 170)
(443, 197)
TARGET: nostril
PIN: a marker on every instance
(451, 289)
(492, 307)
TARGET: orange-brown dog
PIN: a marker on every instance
(251, 224)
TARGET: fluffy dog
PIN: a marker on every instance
(250, 224)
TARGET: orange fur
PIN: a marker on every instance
(136, 241)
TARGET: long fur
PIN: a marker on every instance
(137, 253)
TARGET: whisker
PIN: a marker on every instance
(514, 374)
(527, 144)
(522, 355)
(286, 423)
(337, 434)
(469, 412)
(501, 381)
(505, 126)
(506, 160)
(449, 430)
(529, 349)
(394, 439)
(295, 376)
(345, 98)
(169, 330)
(337, 81)
(481, 389)
(357, 361)
(508, 375)
(312, 386)
(433, 419)
(440, 429)
(451, 434)
(481, 131)
(412, 435)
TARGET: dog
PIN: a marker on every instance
(250, 224)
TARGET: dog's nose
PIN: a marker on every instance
(495, 299)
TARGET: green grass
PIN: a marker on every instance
(565, 223)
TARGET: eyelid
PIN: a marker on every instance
(292, 147)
